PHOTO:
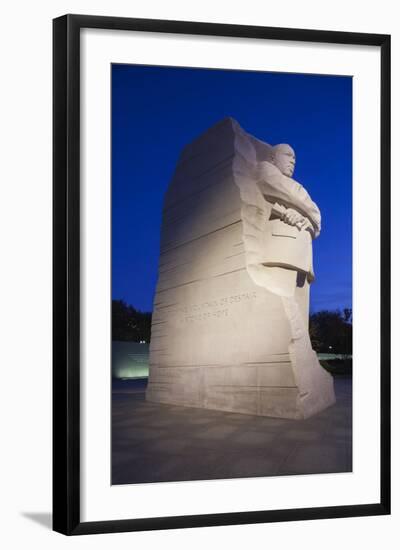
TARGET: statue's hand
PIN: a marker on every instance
(305, 224)
(292, 217)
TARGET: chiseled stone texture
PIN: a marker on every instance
(229, 327)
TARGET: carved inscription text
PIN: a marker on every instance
(213, 309)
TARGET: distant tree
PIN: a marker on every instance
(332, 331)
(314, 334)
(130, 324)
(348, 315)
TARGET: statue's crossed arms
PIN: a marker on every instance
(291, 202)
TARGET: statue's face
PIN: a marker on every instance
(284, 158)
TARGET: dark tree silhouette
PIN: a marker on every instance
(332, 331)
(130, 324)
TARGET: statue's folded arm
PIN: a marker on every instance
(277, 187)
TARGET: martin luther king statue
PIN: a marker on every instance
(230, 316)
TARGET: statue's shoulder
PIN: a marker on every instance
(267, 169)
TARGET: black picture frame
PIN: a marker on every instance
(66, 272)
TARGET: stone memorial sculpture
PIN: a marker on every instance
(230, 318)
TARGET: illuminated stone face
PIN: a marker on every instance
(229, 325)
(284, 158)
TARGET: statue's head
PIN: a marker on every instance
(284, 158)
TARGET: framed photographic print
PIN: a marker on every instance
(221, 274)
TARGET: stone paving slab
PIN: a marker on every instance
(155, 442)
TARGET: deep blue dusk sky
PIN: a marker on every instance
(157, 110)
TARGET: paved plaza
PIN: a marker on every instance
(153, 442)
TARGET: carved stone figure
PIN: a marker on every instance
(230, 318)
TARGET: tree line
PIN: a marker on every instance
(332, 331)
(130, 324)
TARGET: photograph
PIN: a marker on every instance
(231, 274)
